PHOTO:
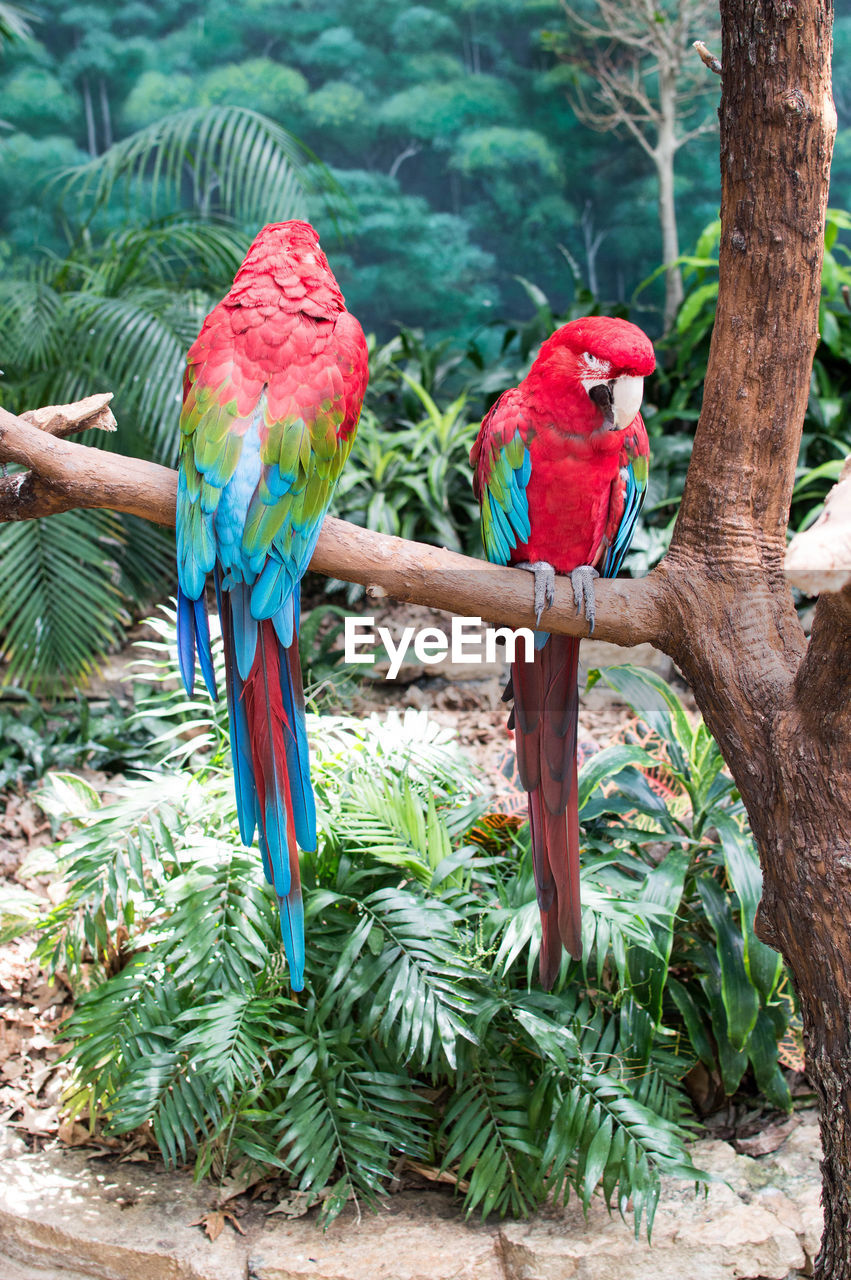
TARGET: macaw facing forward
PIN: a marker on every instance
(271, 399)
(560, 474)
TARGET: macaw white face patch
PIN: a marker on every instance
(594, 369)
(627, 392)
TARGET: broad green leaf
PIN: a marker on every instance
(763, 964)
(741, 1002)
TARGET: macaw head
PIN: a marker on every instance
(598, 365)
(286, 267)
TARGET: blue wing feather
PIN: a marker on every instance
(633, 502)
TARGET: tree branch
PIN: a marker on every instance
(66, 475)
(708, 59)
(69, 475)
(92, 413)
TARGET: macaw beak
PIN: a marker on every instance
(618, 400)
(627, 395)
(601, 394)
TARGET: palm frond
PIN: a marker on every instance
(58, 608)
(487, 1133)
(398, 965)
(231, 159)
(343, 1111)
(15, 22)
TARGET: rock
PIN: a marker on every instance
(819, 559)
(759, 1219)
(407, 1241)
(101, 1220)
(11, 1143)
(66, 1217)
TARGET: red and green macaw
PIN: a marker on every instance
(271, 399)
(560, 474)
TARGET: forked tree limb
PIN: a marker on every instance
(64, 474)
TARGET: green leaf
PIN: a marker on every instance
(656, 703)
(741, 1002)
(763, 964)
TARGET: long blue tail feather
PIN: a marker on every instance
(202, 641)
(244, 628)
(295, 740)
(289, 807)
(291, 912)
(240, 742)
(275, 813)
(193, 633)
(186, 640)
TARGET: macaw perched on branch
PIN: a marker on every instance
(560, 475)
(271, 399)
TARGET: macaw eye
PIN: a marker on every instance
(594, 366)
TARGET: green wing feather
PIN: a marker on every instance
(503, 467)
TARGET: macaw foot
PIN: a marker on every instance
(582, 581)
(545, 584)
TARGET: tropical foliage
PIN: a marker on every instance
(421, 1033)
(827, 428)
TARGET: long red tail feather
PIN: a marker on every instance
(546, 709)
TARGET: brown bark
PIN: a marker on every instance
(781, 710)
(719, 602)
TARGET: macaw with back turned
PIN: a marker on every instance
(560, 475)
(271, 399)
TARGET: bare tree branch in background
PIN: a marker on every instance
(645, 80)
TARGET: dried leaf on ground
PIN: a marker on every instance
(214, 1223)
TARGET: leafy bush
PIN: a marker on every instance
(420, 1032)
(34, 739)
(411, 477)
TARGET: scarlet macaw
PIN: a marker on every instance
(271, 399)
(560, 474)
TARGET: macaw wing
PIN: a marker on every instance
(630, 490)
(309, 415)
(503, 466)
(212, 426)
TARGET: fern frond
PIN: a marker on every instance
(487, 1134)
(58, 608)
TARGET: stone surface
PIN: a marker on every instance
(760, 1220)
(410, 1241)
(102, 1220)
(64, 1216)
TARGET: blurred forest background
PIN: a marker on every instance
(449, 127)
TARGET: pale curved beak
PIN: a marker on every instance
(627, 392)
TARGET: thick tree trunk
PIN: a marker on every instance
(780, 711)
